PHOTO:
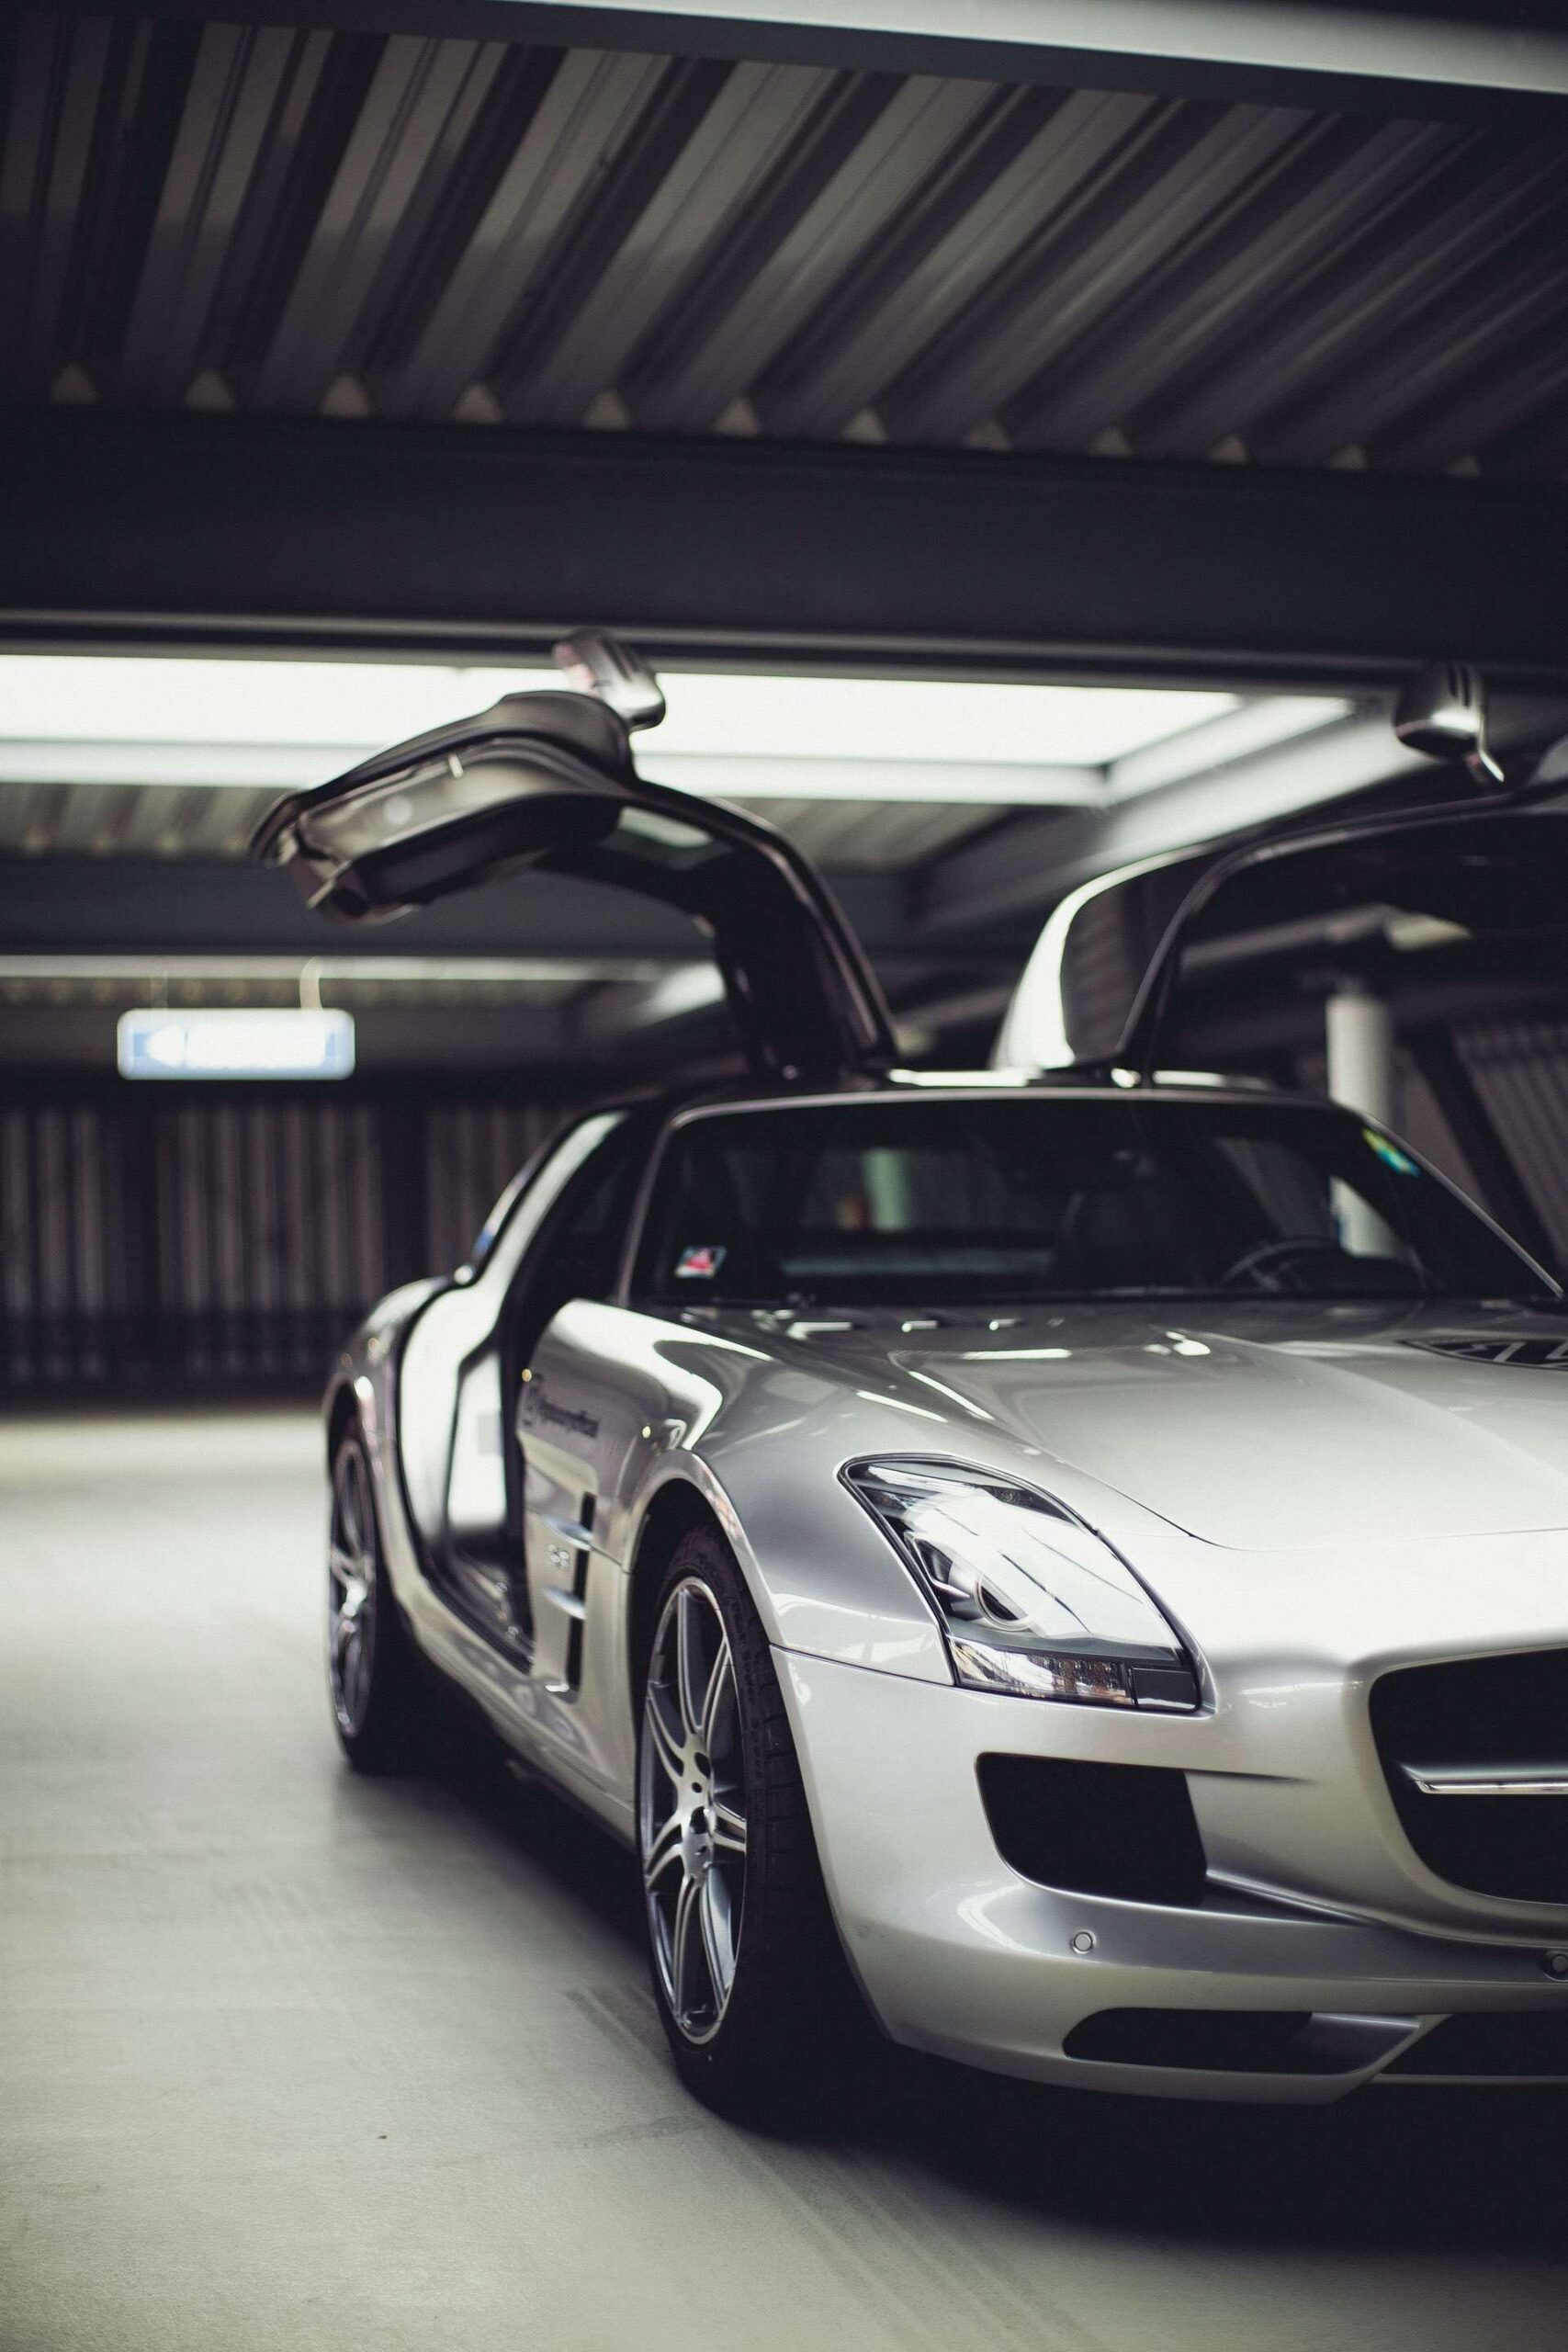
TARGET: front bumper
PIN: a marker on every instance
(959, 1955)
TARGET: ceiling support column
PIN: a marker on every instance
(1362, 1075)
(1362, 1072)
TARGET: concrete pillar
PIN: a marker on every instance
(1360, 1053)
(1362, 1076)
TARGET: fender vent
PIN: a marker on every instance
(1126, 1830)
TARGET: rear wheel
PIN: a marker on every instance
(370, 1666)
(750, 1980)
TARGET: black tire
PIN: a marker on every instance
(764, 2046)
(372, 1675)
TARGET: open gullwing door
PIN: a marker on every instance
(546, 780)
(1099, 991)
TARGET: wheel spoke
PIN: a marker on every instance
(727, 1827)
(349, 1500)
(348, 1654)
(689, 1677)
(720, 1689)
(685, 1937)
(667, 1747)
(717, 1953)
(665, 1850)
(346, 1566)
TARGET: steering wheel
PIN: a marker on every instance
(1281, 1253)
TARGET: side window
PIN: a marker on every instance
(490, 1232)
(577, 1251)
(593, 1217)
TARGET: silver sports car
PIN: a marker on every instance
(1072, 1557)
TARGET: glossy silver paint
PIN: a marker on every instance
(1314, 1492)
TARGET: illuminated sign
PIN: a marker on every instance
(258, 1042)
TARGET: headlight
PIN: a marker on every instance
(1032, 1600)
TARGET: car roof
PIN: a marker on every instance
(911, 1086)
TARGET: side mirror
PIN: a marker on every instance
(1442, 712)
(596, 664)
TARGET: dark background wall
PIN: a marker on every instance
(164, 1241)
(159, 1241)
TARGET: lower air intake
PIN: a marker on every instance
(1237, 2041)
(1532, 2047)
(1126, 1830)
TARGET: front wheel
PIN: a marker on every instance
(370, 1665)
(750, 1980)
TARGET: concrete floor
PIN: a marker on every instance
(292, 2060)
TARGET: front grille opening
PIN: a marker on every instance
(1532, 2046)
(1486, 1710)
(1126, 1830)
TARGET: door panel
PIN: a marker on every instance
(460, 1468)
(568, 1248)
(580, 1421)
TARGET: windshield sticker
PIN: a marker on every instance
(700, 1262)
(1390, 1154)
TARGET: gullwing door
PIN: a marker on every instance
(546, 780)
(1099, 991)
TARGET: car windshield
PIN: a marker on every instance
(945, 1199)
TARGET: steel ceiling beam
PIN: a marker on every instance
(1489, 59)
(203, 530)
(179, 906)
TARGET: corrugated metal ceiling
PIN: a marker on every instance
(340, 222)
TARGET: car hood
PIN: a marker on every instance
(1256, 1425)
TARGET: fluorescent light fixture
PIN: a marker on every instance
(358, 706)
(346, 710)
(156, 1042)
(343, 708)
(266, 725)
(921, 720)
(1242, 731)
(985, 783)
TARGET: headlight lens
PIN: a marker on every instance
(1032, 1600)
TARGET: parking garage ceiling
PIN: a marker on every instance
(351, 224)
(704, 326)
(1223, 344)
(277, 220)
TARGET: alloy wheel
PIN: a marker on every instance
(351, 1586)
(691, 1810)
